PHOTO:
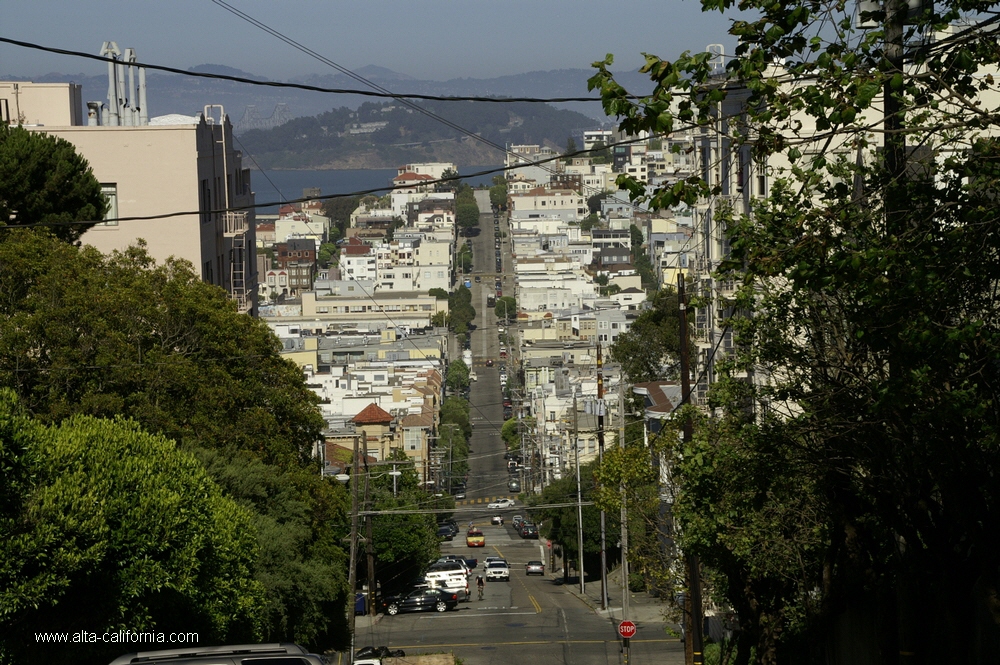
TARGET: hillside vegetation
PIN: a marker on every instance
(403, 135)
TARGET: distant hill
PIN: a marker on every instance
(173, 93)
(387, 134)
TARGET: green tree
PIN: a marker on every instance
(455, 410)
(403, 544)
(589, 222)
(119, 336)
(328, 252)
(648, 350)
(45, 182)
(339, 210)
(570, 148)
(506, 308)
(510, 432)
(845, 481)
(455, 447)
(438, 293)
(458, 375)
(460, 310)
(600, 153)
(450, 181)
(109, 527)
(467, 215)
(560, 524)
(498, 195)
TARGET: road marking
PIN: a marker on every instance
(484, 614)
(538, 608)
(528, 642)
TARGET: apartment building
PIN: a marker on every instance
(160, 166)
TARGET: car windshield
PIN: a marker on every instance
(497, 564)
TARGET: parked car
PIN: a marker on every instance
(500, 504)
(497, 570)
(445, 533)
(233, 653)
(378, 652)
(475, 538)
(516, 521)
(421, 600)
(529, 531)
(534, 568)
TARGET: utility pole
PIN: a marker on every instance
(352, 568)
(369, 546)
(624, 512)
(579, 500)
(600, 456)
(693, 609)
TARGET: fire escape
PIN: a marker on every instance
(235, 231)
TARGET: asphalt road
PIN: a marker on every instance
(528, 619)
(487, 468)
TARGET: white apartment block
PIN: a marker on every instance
(540, 203)
(433, 169)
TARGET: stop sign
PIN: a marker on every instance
(626, 629)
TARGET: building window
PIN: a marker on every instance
(110, 192)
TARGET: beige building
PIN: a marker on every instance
(150, 173)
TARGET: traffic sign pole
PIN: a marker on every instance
(627, 631)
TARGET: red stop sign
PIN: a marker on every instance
(626, 629)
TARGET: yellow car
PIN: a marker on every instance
(475, 538)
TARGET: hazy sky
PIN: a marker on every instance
(426, 39)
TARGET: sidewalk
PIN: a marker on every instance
(643, 609)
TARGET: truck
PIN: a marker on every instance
(467, 357)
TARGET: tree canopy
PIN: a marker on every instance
(841, 479)
(117, 336)
(44, 181)
(103, 526)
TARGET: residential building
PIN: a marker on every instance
(172, 164)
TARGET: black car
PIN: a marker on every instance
(445, 533)
(379, 652)
(421, 600)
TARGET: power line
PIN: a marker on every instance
(303, 86)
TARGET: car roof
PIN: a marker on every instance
(214, 654)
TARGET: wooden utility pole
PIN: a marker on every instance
(693, 610)
(579, 501)
(352, 567)
(600, 455)
(624, 517)
(369, 545)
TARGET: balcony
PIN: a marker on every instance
(234, 224)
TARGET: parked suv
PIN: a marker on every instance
(235, 654)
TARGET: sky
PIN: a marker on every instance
(425, 39)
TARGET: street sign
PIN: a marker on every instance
(626, 629)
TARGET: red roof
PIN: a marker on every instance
(357, 250)
(372, 414)
(409, 175)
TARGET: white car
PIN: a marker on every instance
(497, 570)
(501, 504)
